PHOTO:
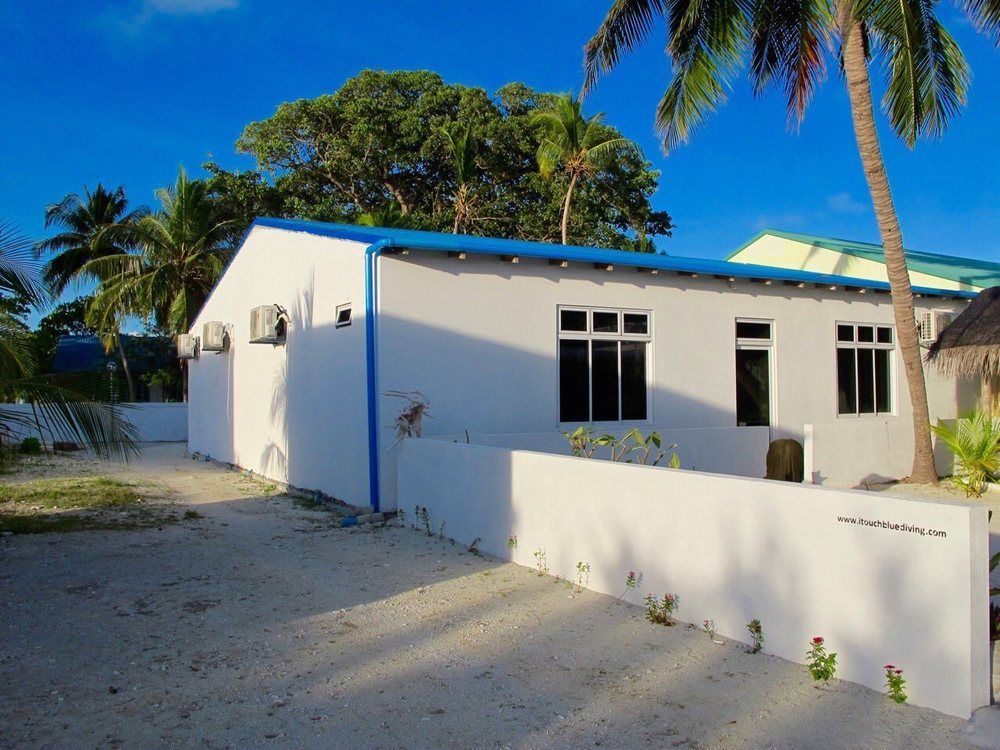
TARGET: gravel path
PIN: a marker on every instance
(259, 625)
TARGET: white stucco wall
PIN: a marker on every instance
(156, 423)
(781, 252)
(295, 412)
(737, 549)
(478, 338)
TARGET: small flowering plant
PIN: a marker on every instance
(661, 611)
(709, 627)
(894, 683)
(512, 542)
(822, 663)
(632, 581)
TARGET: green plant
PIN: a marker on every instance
(441, 531)
(540, 562)
(31, 446)
(756, 636)
(994, 622)
(632, 580)
(894, 683)
(424, 516)
(582, 575)
(581, 441)
(822, 664)
(512, 542)
(474, 547)
(661, 611)
(709, 627)
(975, 442)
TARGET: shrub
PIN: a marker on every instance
(756, 636)
(894, 683)
(661, 612)
(975, 442)
(31, 446)
(822, 664)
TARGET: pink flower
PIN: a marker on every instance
(899, 671)
(818, 640)
(890, 666)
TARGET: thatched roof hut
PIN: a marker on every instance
(970, 345)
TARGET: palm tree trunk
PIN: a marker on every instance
(125, 367)
(566, 205)
(863, 115)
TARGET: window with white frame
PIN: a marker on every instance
(864, 369)
(603, 355)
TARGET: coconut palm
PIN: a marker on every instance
(574, 144)
(60, 408)
(97, 224)
(462, 149)
(183, 249)
(785, 45)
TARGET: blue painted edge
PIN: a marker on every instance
(441, 242)
(371, 369)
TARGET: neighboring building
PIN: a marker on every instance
(155, 374)
(806, 252)
(511, 341)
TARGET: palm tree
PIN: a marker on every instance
(97, 224)
(183, 249)
(389, 216)
(462, 148)
(575, 144)
(61, 408)
(785, 44)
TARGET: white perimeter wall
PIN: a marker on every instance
(296, 412)
(738, 549)
(478, 338)
(156, 423)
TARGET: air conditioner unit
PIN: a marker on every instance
(267, 325)
(187, 346)
(214, 337)
(930, 323)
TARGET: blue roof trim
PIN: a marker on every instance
(420, 240)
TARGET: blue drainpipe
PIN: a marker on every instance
(371, 268)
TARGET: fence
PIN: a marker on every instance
(883, 578)
(156, 423)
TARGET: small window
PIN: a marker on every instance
(605, 322)
(884, 335)
(751, 329)
(636, 323)
(845, 333)
(573, 320)
(866, 334)
(343, 315)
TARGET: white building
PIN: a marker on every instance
(512, 341)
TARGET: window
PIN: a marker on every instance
(753, 373)
(603, 364)
(343, 315)
(864, 369)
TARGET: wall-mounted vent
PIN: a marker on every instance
(930, 324)
(267, 325)
(187, 346)
(214, 337)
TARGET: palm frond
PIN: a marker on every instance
(705, 41)
(627, 24)
(928, 76)
(985, 16)
(18, 269)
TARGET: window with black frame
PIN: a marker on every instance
(603, 364)
(864, 369)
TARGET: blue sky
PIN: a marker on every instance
(126, 92)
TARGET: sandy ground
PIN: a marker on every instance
(261, 626)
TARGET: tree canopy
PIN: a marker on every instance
(383, 138)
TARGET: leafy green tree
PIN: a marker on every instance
(575, 144)
(62, 408)
(784, 45)
(98, 224)
(66, 319)
(381, 138)
(183, 249)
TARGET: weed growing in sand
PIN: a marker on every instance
(756, 636)
(661, 612)
(192, 515)
(582, 575)
(540, 562)
(474, 547)
(709, 627)
(441, 532)
(424, 517)
(822, 663)
(632, 581)
(894, 683)
(512, 542)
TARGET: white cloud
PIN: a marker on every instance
(845, 203)
(148, 11)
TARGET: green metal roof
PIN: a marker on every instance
(980, 273)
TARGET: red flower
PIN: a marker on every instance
(818, 640)
(890, 666)
(899, 671)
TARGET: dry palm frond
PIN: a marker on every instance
(408, 421)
